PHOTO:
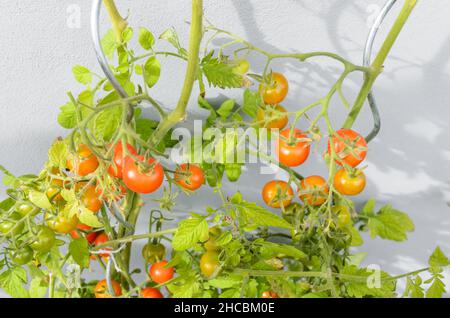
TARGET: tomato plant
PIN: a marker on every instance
(101, 181)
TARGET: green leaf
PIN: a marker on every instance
(369, 284)
(254, 214)
(357, 239)
(57, 154)
(203, 103)
(413, 288)
(437, 289)
(109, 44)
(390, 224)
(7, 204)
(145, 127)
(171, 36)
(107, 123)
(146, 39)
(89, 218)
(40, 200)
(438, 259)
(369, 207)
(82, 74)
(152, 71)
(13, 282)
(127, 35)
(38, 288)
(270, 250)
(252, 101)
(220, 74)
(226, 108)
(189, 233)
(79, 249)
(225, 282)
(67, 118)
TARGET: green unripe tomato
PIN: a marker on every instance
(233, 171)
(11, 225)
(25, 209)
(209, 263)
(153, 253)
(22, 256)
(344, 216)
(211, 244)
(242, 67)
(44, 240)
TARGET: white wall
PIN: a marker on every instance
(409, 163)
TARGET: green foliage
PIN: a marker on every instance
(220, 74)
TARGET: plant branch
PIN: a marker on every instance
(119, 24)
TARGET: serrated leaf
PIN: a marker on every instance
(145, 127)
(38, 288)
(40, 200)
(152, 71)
(357, 239)
(146, 39)
(189, 233)
(225, 282)
(270, 250)
(89, 218)
(79, 250)
(226, 108)
(438, 259)
(254, 214)
(13, 282)
(82, 74)
(57, 154)
(437, 289)
(369, 207)
(252, 101)
(107, 123)
(369, 283)
(220, 74)
(390, 224)
(67, 117)
(413, 288)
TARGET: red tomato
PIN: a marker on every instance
(101, 289)
(159, 274)
(295, 153)
(352, 183)
(277, 194)
(139, 180)
(116, 169)
(314, 190)
(90, 235)
(349, 146)
(84, 162)
(189, 176)
(150, 292)
(90, 196)
(276, 91)
(102, 238)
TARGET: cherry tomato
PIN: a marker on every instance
(292, 154)
(84, 162)
(22, 256)
(211, 244)
(349, 146)
(276, 91)
(272, 117)
(349, 183)
(209, 263)
(90, 196)
(159, 274)
(344, 216)
(59, 223)
(189, 176)
(269, 294)
(150, 292)
(277, 194)
(11, 225)
(153, 252)
(54, 190)
(44, 240)
(116, 169)
(139, 180)
(242, 67)
(89, 234)
(101, 239)
(25, 209)
(101, 289)
(314, 190)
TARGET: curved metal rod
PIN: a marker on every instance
(101, 57)
(367, 61)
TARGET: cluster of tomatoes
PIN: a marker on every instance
(293, 148)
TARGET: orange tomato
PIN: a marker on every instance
(292, 154)
(276, 91)
(314, 190)
(352, 183)
(84, 162)
(277, 193)
(349, 146)
(271, 118)
(150, 292)
(189, 176)
(101, 289)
